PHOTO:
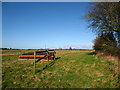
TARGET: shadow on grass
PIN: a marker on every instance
(92, 53)
(49, 65)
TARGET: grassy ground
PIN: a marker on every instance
(71, 69)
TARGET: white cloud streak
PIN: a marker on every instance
(79, 46)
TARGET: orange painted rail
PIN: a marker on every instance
(45, 55)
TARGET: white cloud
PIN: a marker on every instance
(79, 46)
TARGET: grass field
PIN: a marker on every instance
(71, 69)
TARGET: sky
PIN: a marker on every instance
(46, 25)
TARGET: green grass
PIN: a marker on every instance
(74, 69)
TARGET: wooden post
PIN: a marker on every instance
(47, 55)
(34, 61)
(54, 54)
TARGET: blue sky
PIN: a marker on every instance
(50, 24)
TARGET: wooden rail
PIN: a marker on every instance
(45, 55)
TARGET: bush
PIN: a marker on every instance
(107, 44)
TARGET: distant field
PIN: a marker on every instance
(71, 69)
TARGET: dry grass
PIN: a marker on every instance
(74, 69)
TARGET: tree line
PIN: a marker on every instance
(104, 20)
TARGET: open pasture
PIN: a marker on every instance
(71, 69)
